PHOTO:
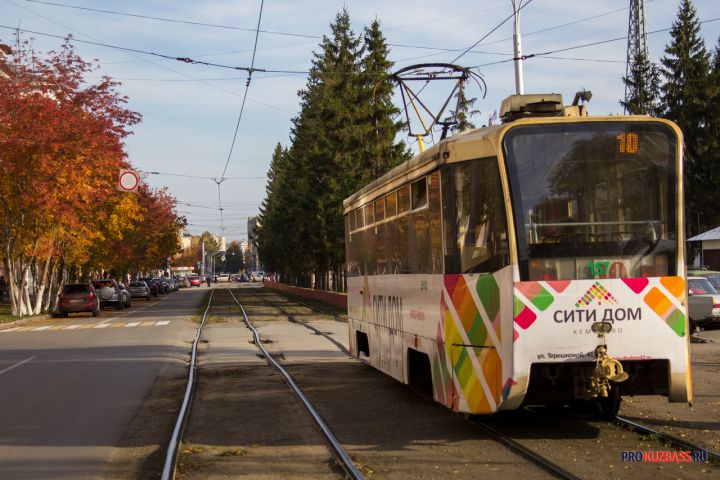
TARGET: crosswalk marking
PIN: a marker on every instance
(86, 326)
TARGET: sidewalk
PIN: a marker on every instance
(23, 320)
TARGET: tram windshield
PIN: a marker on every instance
(594, 199)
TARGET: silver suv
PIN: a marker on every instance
(110, 293)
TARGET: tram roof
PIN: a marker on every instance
(476, 143)
(448, 150)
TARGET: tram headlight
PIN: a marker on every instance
(601, 327)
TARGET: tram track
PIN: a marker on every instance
(526, 452)
(341, 458)
(677, 442)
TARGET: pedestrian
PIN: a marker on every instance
(3, 288)
(208, 280)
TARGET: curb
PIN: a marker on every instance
(26, 320)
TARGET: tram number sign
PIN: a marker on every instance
(628, 143)
(606, 269)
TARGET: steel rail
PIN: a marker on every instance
(174, 445)
(292, 318)
(671, 439)
(340, 454)
(528, 453)
(337, 318)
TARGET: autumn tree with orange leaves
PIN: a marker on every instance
(61, 148)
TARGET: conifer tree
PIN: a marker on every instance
(463, 111)
(643, 85)
(686, 69)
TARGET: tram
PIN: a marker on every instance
(535, 262)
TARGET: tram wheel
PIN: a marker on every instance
(607, 407)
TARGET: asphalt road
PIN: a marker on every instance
(70, 388)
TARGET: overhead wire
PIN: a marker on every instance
(221, 179)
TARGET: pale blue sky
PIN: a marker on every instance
(190, 111)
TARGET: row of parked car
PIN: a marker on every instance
(703, 298)
(106, 292)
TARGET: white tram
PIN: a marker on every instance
(527, 263)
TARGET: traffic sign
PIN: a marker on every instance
(128, 181)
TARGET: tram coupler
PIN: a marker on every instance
(607, 369)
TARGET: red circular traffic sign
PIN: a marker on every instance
(129, 180)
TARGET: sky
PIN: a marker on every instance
(190, 112)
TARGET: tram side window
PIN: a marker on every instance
(404, 199)
(369, 214)
(475, 216)
(352, 221)
(391, 204)
(380, 210)
(419, 194)
(360, 218)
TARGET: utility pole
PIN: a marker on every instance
(202, 246)
(517, 48)
(637, 39)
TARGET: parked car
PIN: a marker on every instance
(703, 303)
(182, 282)
(78, 297)
(195, 281)
(127, 297)
(153, 284)
(712, 275)
(110, 293)
(140, 289)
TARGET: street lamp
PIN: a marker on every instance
(212, 259)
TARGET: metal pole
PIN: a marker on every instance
(202, 243)
(517, 49)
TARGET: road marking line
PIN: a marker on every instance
(10, 329)
(56, 327)
(132, 324)
(102, 325)
(71, 327)
(164, 322)
(39, 329)
(24, 329)
(17, 365)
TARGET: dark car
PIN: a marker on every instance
(78, 297)
(153, 283)
(140, 289)
(110, 293)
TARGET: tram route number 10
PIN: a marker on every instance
(628, 143)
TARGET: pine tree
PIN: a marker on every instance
(686, 69)
(643, 86)
(463, 111)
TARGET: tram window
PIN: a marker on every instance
(588, 206)
(476, 213)
(380, 210)
(352, 221)
(419, 194)
(360, 218)
(391, 205)
(403, 199)
(369, 214)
